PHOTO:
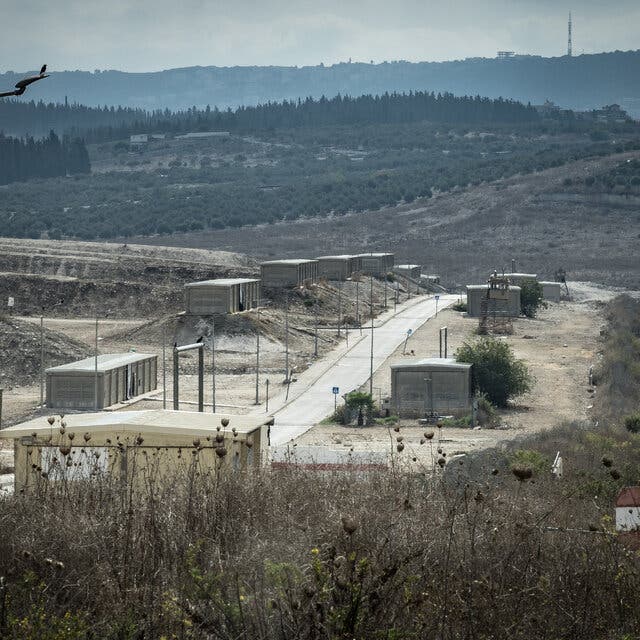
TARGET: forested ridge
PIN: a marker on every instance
(108, 123)
(49, 157)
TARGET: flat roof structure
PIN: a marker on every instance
(106, 362)
(430, 385)
(118, 377)
(509, 307)
(377, 263)
(98, 444)
(290, 272)
(339, 267)
(551, 291)
(222, 295)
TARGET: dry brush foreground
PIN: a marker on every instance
(486, 546)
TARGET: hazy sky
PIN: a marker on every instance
(141, 35)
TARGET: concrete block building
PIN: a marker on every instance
(288, 273)
(509, 307)
(551, 291)
(338, 267)
(518, 278)
(121, 377)
(125, 443)
(223, 295)
(377, 264)
(412, 271)
(421, 387)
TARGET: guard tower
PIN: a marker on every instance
(493, 318)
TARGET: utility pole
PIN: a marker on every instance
(315, 339)
(1, 390)
(164, 367)
(213, 364)
(42, 360)
(95, 390)
(258, 359)
(385, 290)
(286, 339)
(358, 301)
(339, 307)
(371, 360)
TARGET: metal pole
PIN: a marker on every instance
(446, 340)
(176, 374)
(213, 365)
(267, 398)
(1, 390)
(406, 278)
(371, 361)
(164, 367)
(258, 360)
(339, 307)
(286, 340)
(201, 379)
(440, 337)
(385, 290)
(42, 361)
(95, 391)
(358, 302)
(315, 340)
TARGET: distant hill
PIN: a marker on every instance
(581, 83)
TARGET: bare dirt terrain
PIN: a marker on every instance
(559, 346)
(465, 234)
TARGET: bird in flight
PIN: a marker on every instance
(22, 85)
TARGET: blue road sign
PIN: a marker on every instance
(336, 391)
(437, 297)
(409, 332)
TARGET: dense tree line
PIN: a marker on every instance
(107, 124)
(46, 158)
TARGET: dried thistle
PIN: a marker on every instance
(429, 435)
(349, 525)
(221, 452)
(224, 422)
(71, 435)
(442, 462)
(400, 447)
(51, 419)
(522, 473)
(65, 451)
(87, 437)
(607, 462)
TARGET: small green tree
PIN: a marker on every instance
(496, 372)
(531, 298)
(362, 403)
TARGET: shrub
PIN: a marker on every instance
(632, 423)
(459, 306)
(496, 372)
(531, 298)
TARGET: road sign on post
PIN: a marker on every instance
(336, 391)
(437, 297)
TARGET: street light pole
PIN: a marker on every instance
(339, 307)
(258, 358)
(213, 364)
(371, 360)
(95, 390)
(286, 340)
(315, 339)
(41, 361)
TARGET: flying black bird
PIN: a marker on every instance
(22, 85)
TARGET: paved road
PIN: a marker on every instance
(311, 399)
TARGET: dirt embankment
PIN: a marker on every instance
(21, 351)
(84, 279)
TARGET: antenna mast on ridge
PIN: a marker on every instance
(569, 43)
